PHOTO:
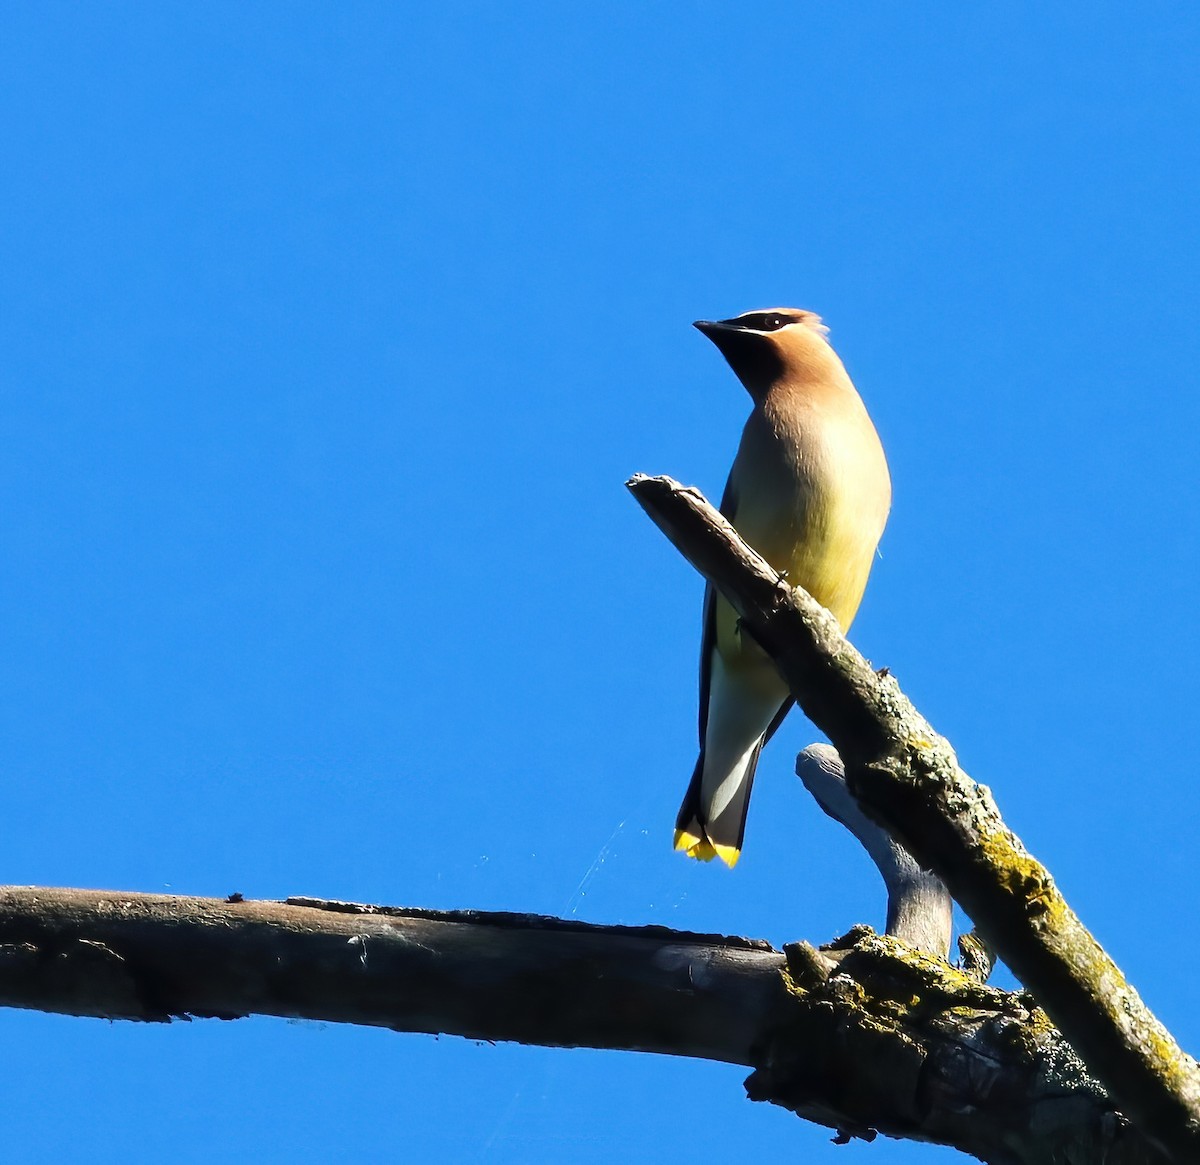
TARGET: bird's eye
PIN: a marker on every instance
(763, 321)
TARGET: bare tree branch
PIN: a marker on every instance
(871, 1036)
(907, 778)
(867, 1034)
(919, 907)
(484, 976)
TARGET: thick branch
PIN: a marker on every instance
(907, 778)
(484, 976)
(868, 1037)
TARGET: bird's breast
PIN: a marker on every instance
(812, 492)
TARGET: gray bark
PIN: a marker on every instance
(920, 911)
(870, 1037)
(907, 778)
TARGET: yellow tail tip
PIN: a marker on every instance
(703, 850)
(694, 846)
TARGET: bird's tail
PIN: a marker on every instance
(704, 831)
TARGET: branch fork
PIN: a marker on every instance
(906, 778)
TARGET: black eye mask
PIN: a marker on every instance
(762, 321)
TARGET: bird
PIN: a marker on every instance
(810, 491)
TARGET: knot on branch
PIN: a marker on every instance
(874, 1026)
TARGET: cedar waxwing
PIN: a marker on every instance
(810, 491)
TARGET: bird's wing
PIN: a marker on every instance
(708, 618)
(784, 709)
(708, 637)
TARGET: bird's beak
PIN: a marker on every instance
(753, 356)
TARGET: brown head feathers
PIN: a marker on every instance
(764, 346)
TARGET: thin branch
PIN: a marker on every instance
(869, 1036)
(907, 778)
(919, 907)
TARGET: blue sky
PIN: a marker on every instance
(328, 336)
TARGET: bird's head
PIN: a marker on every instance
(763, 347)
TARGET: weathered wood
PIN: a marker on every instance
(488, 977)
(920, 911)
(907, 778)
(869, 1036)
